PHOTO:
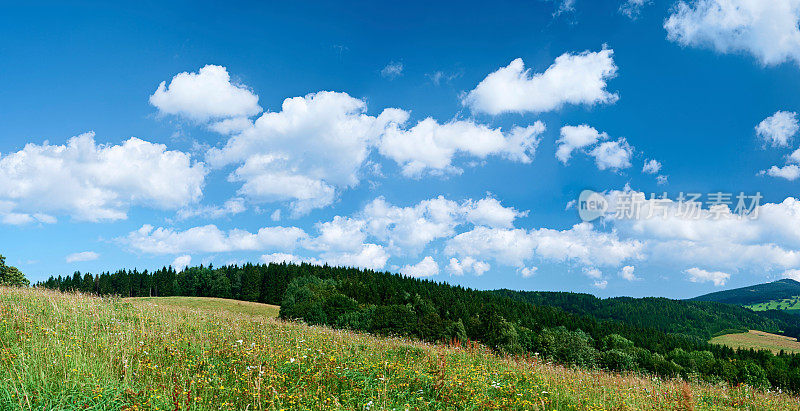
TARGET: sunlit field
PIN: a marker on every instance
(210, 304)
(759, 340)
(786, 304)
(71, 351)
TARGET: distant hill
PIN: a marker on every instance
(755, 294)
(703, 319)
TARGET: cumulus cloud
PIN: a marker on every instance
(95, 182)
(425, 268)
(210, 239)
(469, 264)
(697, 275)
(580, 244)
(572, 79)
(600, 284)
(181, 262)
(320, 144)
(789, 172)
(715, 238)
(768, 30)
(627, 273)
(431, 147)
(614, 155)
(410, 229)
(576, 137)
(305, 151)
(371, 256)
(82, 256)
(207, 94)
(778, 129)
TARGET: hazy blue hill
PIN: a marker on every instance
(754, 294)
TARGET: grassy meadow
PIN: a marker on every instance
(786, 304)
(759, 340)
(72, 351)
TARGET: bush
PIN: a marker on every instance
(617, 360)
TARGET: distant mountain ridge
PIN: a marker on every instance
(754, 294)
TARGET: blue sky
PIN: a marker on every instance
(398, 149)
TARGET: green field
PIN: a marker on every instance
(787, 304)
(759, 340)
(73, 351)
(210, 304)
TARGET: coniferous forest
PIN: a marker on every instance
(658, 336)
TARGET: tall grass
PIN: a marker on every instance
(72, 351)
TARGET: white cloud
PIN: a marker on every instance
(207, 94)
(716, 238)
(425, 268)
(528, 272)
(651, 167)
(230, 207)
(572, 79)
(392, 70)
(789, 172)
(601, 284)
(766, 29)
(593, 272)
(371, 256)
(431, 147)
(409, 229)
(82, 256)
(489, 212)
(91, 182)
(697, 275)
(468, 264)
(576, 137)
(627, 273)
(303, 153)
(614, 155)
(210, 239)
(778, 129)
(632, 8)
(581, 244)
(181, 262)
(662, 179)
(794, 157)
(339, 234)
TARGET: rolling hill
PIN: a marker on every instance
(755, 294)
(73, 351)
(703, 319)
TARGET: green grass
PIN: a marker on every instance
(787, 304)
(758, 340)
(211, 304)
(72, 351)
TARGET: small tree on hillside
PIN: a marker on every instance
(11, 275)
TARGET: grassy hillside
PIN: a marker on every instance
(70, 351)
(210, 303)
(776, 290)
(758, 340)
(790, 305)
